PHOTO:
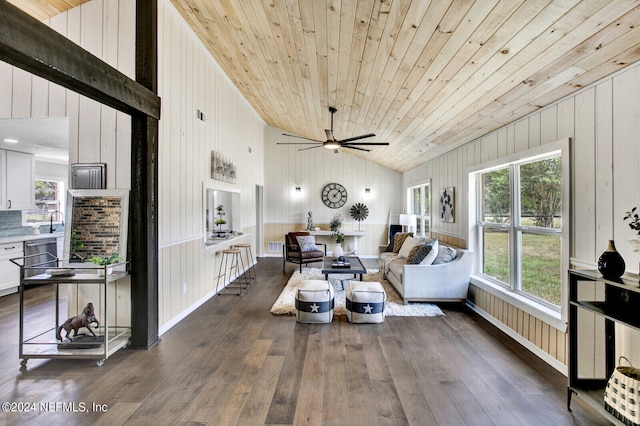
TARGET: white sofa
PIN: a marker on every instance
(446, 282)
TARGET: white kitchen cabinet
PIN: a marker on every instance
(19, 177)
(9, 272)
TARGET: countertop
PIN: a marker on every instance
(22, 238)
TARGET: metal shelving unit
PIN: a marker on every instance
(619, 305)
(82, 283)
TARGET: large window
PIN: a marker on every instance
(520, 220)
(419, 201)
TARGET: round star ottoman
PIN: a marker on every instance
(365, 302)
(314, 301)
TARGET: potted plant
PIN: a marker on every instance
(336, 222)
(337, 249)
(220, 221)
(634, 223)
(75, 245)
(634, 219)
(105, 261)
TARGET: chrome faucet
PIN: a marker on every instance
(51, 228)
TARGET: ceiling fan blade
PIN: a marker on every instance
(297, 143)
(311, 147)
(355, 138)
(294, 136)
(329, 134)
(369, 143)
(355, 147)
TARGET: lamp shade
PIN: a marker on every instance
(408, 220)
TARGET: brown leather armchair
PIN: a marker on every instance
(291, 251)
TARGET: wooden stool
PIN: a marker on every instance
(230, 255)
(250, 272)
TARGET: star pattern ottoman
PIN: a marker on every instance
(365, 302)
(314, 301)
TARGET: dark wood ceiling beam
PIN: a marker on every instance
(27, 43)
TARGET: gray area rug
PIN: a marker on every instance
(285, 304)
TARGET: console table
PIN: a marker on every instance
(355, 234)
(620, 304)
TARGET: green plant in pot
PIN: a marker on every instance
(75, 246)
(105, 261)
(634, 220)
(634, 223)
(339, 236)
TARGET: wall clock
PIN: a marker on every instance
(334, 195)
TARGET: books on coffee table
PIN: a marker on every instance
(345, 264)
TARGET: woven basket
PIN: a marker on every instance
(621, 394)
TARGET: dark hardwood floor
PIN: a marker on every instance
(233, 362)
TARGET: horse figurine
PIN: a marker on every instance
(85, 319)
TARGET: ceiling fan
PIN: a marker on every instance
(332, 142)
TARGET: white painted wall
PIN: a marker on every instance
(97, 133)
(286, 168)
(189, 79)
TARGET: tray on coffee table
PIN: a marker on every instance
(354, 267)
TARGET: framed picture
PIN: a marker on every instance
(222, 168)
(447, 206)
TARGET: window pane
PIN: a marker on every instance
(541, 266)
(496, 254)
(541, 193)
(427, 208)
(496, 199)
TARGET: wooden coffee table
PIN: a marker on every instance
(356, 267)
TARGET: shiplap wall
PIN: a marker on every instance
(97, 133)
(602, 121)
(189, 79)
(286, 210)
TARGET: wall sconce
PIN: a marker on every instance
(298, 189)
(367, 190)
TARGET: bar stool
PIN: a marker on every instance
(231, 256)
(250, 271)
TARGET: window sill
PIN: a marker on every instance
(537, 310)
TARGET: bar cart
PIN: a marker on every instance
(69, 289)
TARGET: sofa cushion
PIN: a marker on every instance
(431, 256)
(446, 254)
(307, 243)
(409, 243)
(422, 252)
(396, 268)
(399, 239)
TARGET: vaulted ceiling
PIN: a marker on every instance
(425, 76)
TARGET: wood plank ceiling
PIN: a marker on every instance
(425, 76)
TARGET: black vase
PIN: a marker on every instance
(611, 264)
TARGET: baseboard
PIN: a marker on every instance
(182, 315)
(518, 338)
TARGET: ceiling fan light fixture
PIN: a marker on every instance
(331, 145)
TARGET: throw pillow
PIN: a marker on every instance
(412, 254)
(429, 258)
(307, 243)
(409, 243)
(398, 240)
(422, 252)
(445, 255)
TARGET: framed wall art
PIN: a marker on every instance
(222, 168)
(447, 204)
